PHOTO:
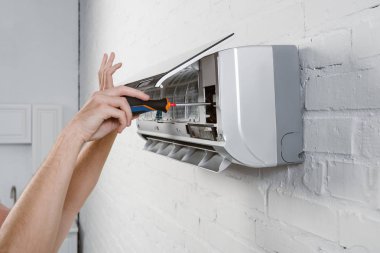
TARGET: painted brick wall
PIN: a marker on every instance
(331, 203)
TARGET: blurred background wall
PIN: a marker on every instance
(39, 65)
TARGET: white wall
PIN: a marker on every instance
(331, 203)
(38, 65)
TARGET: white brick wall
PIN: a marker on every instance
(359, 231)
(331, 203)
(348, 180)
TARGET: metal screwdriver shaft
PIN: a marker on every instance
(189, 104)
(139, 106)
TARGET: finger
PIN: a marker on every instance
(128, 112)
(104, 80)
(104, 60)
(119, 102)
(111, 112)
(113, 123)
(126, 91)
(115, 67)
(101, 69)
(109, 73)
(122, 103)
(100, 77)
(110, 60)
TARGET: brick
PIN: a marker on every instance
(223, 240)
(155, 193)
(275, 239)
(366, 38)
(244, 187)
(358, 90)
(348, 180)
(323, 11)
(326, 51)
(195, 244)
(203, 203)
(359, 231)
(331, 135)
(238, 219)
(241, 11)
(280, 27)
(368, 143)
(304, 214)
(314, 174)
(369, 63)
(191, 222)
(377, 195)
(189, 218)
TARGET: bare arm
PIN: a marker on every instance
(40, 206)
(33, 224)
(91, 159)
(87, 171)
(3, 213)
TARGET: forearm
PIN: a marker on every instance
(87, 171)
(36, 217)
(4, 211)
(86, 174)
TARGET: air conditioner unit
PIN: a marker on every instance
(254, 117)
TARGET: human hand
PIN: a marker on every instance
(102, 106)
(105, 75)
(115, 109)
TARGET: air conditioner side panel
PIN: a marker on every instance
(288, 104)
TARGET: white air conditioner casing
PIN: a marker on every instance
(255, 118)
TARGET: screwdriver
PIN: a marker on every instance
(139, 106)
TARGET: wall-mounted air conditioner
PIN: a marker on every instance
(254, 116)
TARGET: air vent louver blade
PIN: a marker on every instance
(203, 158)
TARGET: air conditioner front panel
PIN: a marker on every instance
(247, 104)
